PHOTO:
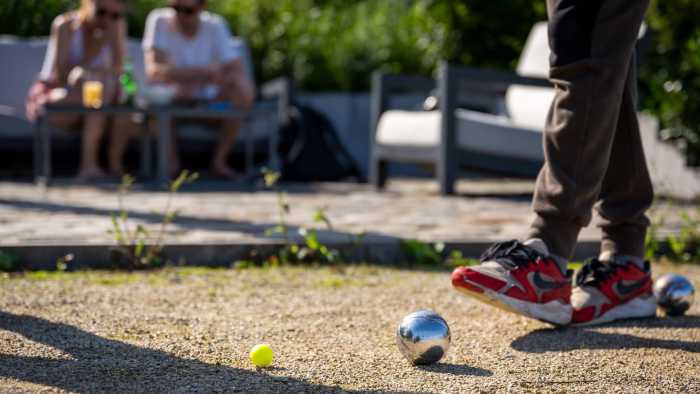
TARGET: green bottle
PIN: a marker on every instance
(130, 87)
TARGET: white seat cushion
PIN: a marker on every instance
(476, 131)
(409, 128)
(528, 106)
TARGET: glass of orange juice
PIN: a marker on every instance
(92, 94)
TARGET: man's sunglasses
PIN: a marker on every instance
(181, 9)
(102, 13)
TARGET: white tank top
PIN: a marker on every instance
(75, 56)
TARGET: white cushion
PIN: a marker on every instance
(528, 106)
(476, 131)
(409, 128)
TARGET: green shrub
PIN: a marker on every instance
(671, 75)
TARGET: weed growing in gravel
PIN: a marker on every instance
(683, 247)
(423, 253)
(311, 249)
(133, 242)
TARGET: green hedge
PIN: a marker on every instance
(336, 44)
(671, 76)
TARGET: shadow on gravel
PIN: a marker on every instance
(96, 364)
(455, 369)
(557, 340)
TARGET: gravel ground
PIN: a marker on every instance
(189, 330)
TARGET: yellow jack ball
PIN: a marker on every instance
(261, 355)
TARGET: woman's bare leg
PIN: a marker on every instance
(121, 133)
(93, 131)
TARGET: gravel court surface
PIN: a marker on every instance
(190, 330)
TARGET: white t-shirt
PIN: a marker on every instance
(211, 44)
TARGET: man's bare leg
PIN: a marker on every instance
(241, 93)
(219, 163)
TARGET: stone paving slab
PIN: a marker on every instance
(484, 210)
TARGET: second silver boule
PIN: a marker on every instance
(674, 294)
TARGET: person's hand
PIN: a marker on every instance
(76, 75)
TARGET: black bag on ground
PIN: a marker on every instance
(310, 149)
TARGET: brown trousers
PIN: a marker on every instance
(593, 150)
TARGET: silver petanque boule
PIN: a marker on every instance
(674, 294)
(423, 337)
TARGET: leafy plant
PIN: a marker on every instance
(423, 253)
(683, 247)
(311, 249)
(62, 262)
(457, 259)
(133, 242)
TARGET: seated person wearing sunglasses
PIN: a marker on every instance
(86, 44)
(190, 48)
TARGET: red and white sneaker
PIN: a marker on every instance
(612, 290)
(519, 278)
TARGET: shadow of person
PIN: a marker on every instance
(566, 339)
(93, 364)
(455, 369)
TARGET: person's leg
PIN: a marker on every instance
(627, 191)
(589, 71)
(122, 130)
(227, 138)
(93, 130)
(618, 284)
(240, 92)
(592, 46)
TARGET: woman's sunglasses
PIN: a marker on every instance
(181, 9)
(104, 13)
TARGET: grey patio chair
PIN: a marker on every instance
(499, 131)
(491, 120)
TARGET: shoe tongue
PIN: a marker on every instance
(541, 247)
(622, 259)
(538, 245)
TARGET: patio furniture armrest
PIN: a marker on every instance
(276, 88)
(279, 89)
(401, 83)
(488, 81)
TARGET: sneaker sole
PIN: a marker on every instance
(553, 312)
(635, 309)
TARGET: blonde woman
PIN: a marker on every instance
(86, 44)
